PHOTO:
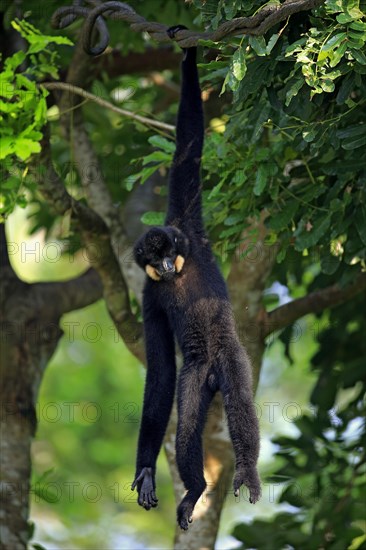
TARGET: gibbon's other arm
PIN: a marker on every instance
(184, 207)
(158, 400)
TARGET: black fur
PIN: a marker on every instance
(192, 306)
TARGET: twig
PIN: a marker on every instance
(103, 103)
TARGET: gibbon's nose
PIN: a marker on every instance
(168, 265)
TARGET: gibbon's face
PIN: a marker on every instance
(161, 252)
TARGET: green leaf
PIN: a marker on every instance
(329, 263)
(306, 239)
(293, 91)
(358, 56)
(337, 54)
(7, 146)
(344, 18)
(15, 60)
(271, 43)
(351, 131)
(258, 44)
(37, 41)
(239, 67)
(215, 190)
(160, 142)
(40, 113)
(309, 134)
(327, 85)
(333, 41)
(24, 148)
(345, 89)
(261, 179)
(358, 26)
(147, 172)
(234, 230)
(153, 218)
(334, 5)
(233, 219)
(281, 218)
(157, 157)
(231, 81)
(349, 145)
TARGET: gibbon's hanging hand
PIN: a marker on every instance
(146, 490)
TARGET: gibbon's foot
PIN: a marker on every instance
(250, 478)
(184, 513)
(173, 30)
(145, 488)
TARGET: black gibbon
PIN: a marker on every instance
(185, 297)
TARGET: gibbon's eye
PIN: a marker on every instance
(175, 240)
(139, 251)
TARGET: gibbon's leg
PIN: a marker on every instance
(158, 401)
(194, 398)
(236, 388)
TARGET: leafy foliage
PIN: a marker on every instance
(23, 109)
(322, 468)
(293, 146)
(294, 137)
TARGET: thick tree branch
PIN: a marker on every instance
(106, 104)
(257, 24)
(315, 302)
(90, 171)
(97, 242)
(87, 162)
(61, 297)
(4, 255)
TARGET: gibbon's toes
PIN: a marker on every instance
(183, 523)
(255, 494)
(250, 479)
(184, 515)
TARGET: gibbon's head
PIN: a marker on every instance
(161, 252)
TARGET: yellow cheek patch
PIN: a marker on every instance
(179, 263)
(152, 273)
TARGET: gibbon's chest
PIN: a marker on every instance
(197, 283)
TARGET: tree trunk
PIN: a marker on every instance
(26, 349)
(30, 332)
(246, 283)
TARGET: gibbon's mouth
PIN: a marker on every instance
(169, 269)
(168, 266)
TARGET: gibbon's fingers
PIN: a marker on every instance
(137, 479)
(173, 30)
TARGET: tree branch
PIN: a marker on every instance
(61, 297)
(91, 173)
(4, 255)
(97, 242)
(256, 24)
(315, 302)
(103, 103)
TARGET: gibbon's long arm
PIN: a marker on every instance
(184, 209)
(158, 401)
